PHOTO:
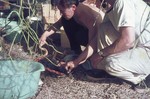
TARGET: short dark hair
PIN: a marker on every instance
(67, 3)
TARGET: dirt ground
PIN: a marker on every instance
(77, 86)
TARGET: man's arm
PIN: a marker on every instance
(51, 30)
(124, 42)
(89, 50)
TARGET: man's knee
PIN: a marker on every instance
(109, 69)
(112, 67)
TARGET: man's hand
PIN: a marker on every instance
(95, 59)
(69, 66)
(42, 40)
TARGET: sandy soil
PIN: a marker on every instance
(77, 86)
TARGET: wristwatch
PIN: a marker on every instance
(101, 54)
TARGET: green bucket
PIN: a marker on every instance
(13, 28)
(19, 78)
(14, 33)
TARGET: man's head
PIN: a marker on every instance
(107, 4)
(67, 7)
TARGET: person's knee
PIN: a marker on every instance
(109, 69)
(112, 68)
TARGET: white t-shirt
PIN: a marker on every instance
(134, 13)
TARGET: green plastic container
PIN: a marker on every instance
(19, 78)
(14, 33)
(13, 30)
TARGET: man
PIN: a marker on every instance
(123, 42)
(79, 21)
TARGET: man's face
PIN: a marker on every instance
(107, 4)
(67, 12)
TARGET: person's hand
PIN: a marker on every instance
(42, 40)
(69, 66)
(95, 59)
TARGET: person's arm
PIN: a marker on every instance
(51, 30)
(89, 50)
(93, 27)
(92, 43)
(124, 42)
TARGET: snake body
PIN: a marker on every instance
(44, 55)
